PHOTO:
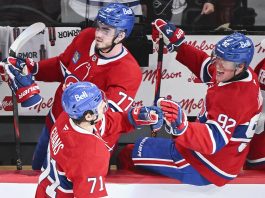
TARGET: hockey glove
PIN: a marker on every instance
(26, 66)
(175, 117)
(140, 116)
(23, 86)
(173, 37)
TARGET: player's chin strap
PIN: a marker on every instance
(93, 122)
(113, 44)
(235, 71)
(242, 73)
(240, 76)
(111, 48)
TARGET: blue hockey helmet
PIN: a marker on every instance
(235, 48)
(80, 97)
(118, 16)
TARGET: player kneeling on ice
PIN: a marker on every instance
(213, 149)
(78, 158)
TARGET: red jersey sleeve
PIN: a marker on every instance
(113, 125)
(118, 122)
(197, 61)
(50, 69)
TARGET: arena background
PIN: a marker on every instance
(178, 82)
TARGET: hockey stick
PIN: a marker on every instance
(24, 37)
(158, 74)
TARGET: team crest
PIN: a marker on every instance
(70, 79)
(76, 57)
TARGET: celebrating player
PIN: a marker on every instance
(214, 149)
(256, 156)
(78, 158)
(96, 55)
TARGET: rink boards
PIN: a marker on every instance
(125, 184)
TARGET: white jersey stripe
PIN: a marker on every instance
(204, 67)
(213, 166)
(212, 139)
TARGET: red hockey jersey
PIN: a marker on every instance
(256, 156)
(78, 160)
(217, 145)
(119, 77)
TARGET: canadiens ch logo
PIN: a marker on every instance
(76, 57)
(70, 80)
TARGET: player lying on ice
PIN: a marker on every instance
(213, 149)
(78, 158)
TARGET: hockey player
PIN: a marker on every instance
(78, 158)
(96, 55)
(256, 156)
(214, 149)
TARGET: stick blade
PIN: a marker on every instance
(26, 35)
